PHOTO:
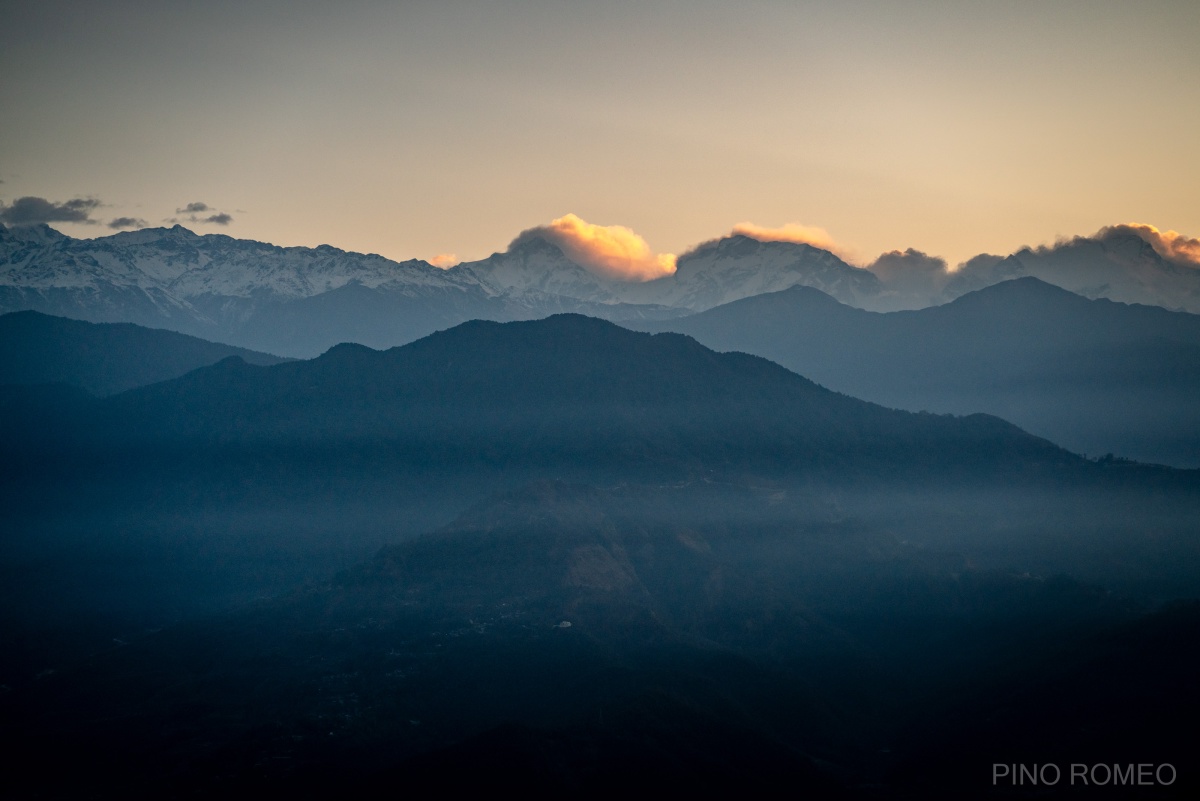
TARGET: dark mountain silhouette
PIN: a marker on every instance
(569, 391)
(248, 478)
(1094, 376)
(103, 359)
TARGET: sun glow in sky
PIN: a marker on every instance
(426, 129)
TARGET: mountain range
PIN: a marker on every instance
(301, 301)
(319, 462)
(1095, 376)
(102, 358)
(571, 392)
(298, 302)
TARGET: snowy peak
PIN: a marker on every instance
(535, 265)
(1118, 265)
(186, 265)
(739, 266)
(40, 234)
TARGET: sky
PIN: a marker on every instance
(444, 129)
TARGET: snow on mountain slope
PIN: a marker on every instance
(538, 267)
(738, 267)
(715, 273)
(188, 265)
(1115, 265)
(174, 266)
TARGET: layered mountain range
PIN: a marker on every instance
(301, 301)
(1094, 376)
(298, 302)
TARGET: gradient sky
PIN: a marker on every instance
(412, 129)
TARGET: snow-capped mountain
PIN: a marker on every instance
(189, 265)
(298, 301)
(229, 290)
(1118, 265)
(290, 301)
(539, 267)
(738, 267)
(715, 273)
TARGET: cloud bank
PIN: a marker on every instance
(1171, 245)
(910, 270)
(612, 251)
(35, 210)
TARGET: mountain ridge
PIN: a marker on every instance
(102, 358)
(253, 294)
(1095, 375)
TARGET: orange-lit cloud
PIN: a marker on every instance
(795, 232)
(444, 260)
(612, 251)
(1171, 245)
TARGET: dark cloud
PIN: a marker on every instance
(128, 222)
(912, 279)
(980, 264)
(34, 210)
(910, 270)
(193, 210)
(981, 271)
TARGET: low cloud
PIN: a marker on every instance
(444, 260)
(981, 263)
(612, 251)
(1171, 245)
(911, 279)
(34, 210)
(194, 208)
(910, 271)
(218, 219)
(795, 232)
(127, 222)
